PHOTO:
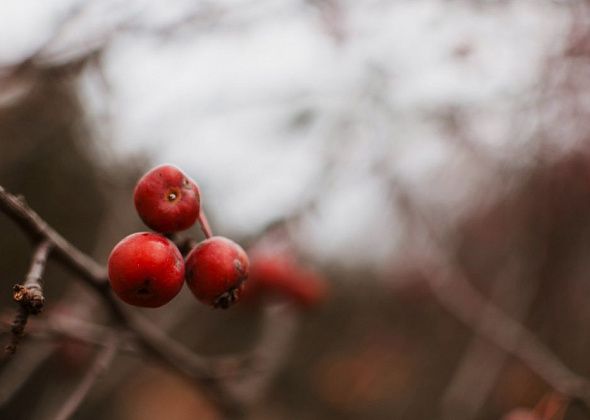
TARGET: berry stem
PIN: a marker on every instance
(152, 340)
(204, 223)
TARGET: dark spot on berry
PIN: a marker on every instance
(145, 288)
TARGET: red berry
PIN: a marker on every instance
(146, 269)
(216, 270)
(280, 275)
(521, 414)
(167, 200)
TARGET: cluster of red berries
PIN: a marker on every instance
(147, 269)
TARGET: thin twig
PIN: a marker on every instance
(101, 363)
(29, 295)
(31, 223)
(470, 386)
(24, 364)
(463, 301)
(17, 330)
(455, 293)
(153, 341)
(278, 332)
(82, 331)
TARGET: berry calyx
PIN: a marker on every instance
(216, 270)
(146, 269)
(167, 200)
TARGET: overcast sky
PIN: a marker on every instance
(252, 97)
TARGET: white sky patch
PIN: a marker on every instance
(353, 225)
(218, 99)
(26, 25)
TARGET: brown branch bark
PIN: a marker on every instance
(29, 295)
(454, 291)
(17, 329)
(101, 363)
(278, 332)
(89, 333)
(470, 385)
(16, 374)
(32, 224)
(463, 301)
(154, 342)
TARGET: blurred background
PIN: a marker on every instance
(416, 154)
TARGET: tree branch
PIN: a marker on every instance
(152, 340)
(29, 295)
(460, 298)
(32, 224)
(278, 332)
(25, 362)
(101, 363)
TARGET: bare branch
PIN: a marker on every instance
(463, 301)
(29, 295)
(18, 372)
(153, 341)
(17, 329)
(279, 328)
(89, 333)
(101, 363)
(470, 385)
(453, 290)
(16, 208)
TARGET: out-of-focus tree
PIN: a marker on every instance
(444, 199)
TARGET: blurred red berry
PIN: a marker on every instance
(146, 269)
(521, 414)
(216, 270)
(72, 353)
(280, 275)
(167, 200)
